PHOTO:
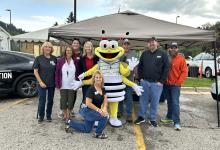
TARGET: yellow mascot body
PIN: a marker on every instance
(115, 73)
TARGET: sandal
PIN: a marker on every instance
(101, 136)
(67, 129)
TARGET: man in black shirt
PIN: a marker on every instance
(152, 70)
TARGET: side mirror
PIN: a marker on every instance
(190, 57)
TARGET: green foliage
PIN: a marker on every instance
(70, 18)
(11, 29)
(55, 24)
(197, 82)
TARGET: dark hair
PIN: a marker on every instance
(64, 53)
(76, 39)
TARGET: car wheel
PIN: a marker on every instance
(27, 87)
(208, 72)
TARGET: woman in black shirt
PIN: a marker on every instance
(93, 110)
(44, 71)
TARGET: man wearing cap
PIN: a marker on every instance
(152, 72)
(176, 76)
(128, 95)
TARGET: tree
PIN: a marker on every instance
(55, 24)
(70, 18)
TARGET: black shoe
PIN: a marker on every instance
(129, 119)
(101, 136)
(49, 119)
(67, 129)
(40, 120)
(153, 123)
(139, 120)
(119, 115)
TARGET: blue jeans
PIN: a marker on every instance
(172, 93)
(84, 91)
(151, 94)
(90, 117)
(45, 93)
(128, 100)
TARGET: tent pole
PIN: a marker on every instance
(216, 81)
(48, 37)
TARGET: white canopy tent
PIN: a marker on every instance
(140, 27)
(35, 36)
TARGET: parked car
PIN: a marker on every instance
(16, 74)
(205, 60)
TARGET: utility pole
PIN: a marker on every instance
(177, 18)
(74, 11)
(9, 10)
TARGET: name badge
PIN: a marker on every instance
(52, 63)
(158, 56)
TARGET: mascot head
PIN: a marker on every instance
(109, 50)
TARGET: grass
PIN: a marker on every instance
(197, 82)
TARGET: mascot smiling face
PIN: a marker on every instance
(109, 51)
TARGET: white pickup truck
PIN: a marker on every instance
(205, 60)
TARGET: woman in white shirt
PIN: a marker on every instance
(65, 75)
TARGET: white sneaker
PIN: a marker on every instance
(60, 114)
(115, 122)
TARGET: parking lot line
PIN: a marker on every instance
(138, 135)
(13, 104)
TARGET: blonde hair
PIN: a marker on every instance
(88, 43)
(93, 77)
(47, 44)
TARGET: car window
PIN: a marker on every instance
(207, 57)
(7, 59)
(197, 57)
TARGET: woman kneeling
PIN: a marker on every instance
(93, 110)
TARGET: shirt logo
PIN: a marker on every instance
(52, 63)
(158, 56)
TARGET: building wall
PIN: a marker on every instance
(34, 48)
(4, 41)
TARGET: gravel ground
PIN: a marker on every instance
(199, 127)
(19, 129)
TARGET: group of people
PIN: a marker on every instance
(157, 70)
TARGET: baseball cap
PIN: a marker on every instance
(174, 45)
(151, 39)
(126, 41)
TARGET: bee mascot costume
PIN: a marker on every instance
(115, 73)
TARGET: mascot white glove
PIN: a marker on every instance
(76, 84)
(138, 89)
(81, 76)
(132, 63)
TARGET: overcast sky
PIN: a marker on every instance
(31, 15)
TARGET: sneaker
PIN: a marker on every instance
(60, 114)
(153, 123)
(166, 120)
(101, 136)
(49, 119)
(129, 119)
(139, 120)
(67, 129)
(119, 115)
(40, 120)
(177, 127)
